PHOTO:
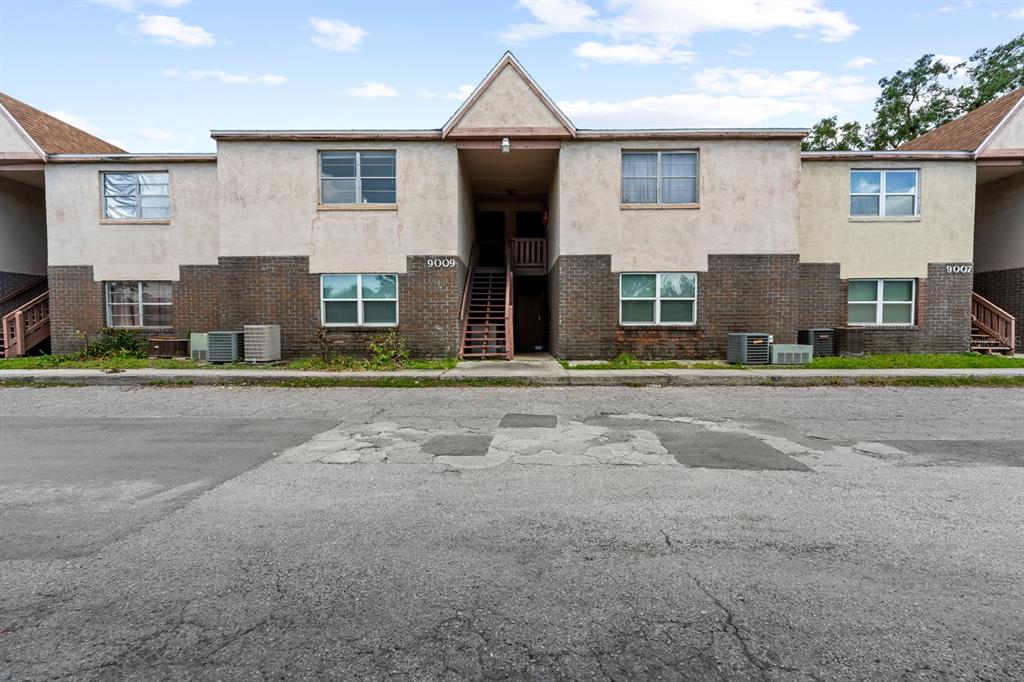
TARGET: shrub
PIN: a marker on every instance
(116, 343)
(389, 351)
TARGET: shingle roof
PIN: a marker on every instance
(970, 130)
(53, 135)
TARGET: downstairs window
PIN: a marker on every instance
(881, 301)
(352, 300)
(138, 304)
(664, 298)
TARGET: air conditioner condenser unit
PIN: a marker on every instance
(792, 354)
(748, 348)
(225, 346)
(198, 346)
(262, 342)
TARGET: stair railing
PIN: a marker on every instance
(994, 321)
(26, 326)
(509, 339)
(464, 316)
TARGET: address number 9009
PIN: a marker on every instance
(440, 262)
(960, 269)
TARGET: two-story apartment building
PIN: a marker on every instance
(509, 228)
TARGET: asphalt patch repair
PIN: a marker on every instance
(694, 446)
(513, 420)
(458, 445)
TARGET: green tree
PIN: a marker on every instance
(828, 136)
(912, 102)
(992, 73)
(925, 96)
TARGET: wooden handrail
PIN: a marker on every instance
(509, 336)
(28, 287)
(26, 326)
(994, 321)
(530, 252)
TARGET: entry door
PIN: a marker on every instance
(531, 314)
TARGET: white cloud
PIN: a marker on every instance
(669, 23)
(461, 93)
(133, 5)
(742, 50)
(335, 34)
(803, 85)
(635, 53)
(694, 110)
(171, 31)
(859, 62)
(1016, 14)
(76, 121)
(730, 97)
(949, 59)
(225, 77)
(154, 134)
(371, 90)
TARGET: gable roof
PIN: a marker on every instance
(509, 61)
(970, 131)
(53, 135)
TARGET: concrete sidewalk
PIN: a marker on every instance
(540, 373)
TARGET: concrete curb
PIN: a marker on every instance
(723, 377)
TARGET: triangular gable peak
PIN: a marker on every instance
(1008, 135)
(15, 143)
(508, 103)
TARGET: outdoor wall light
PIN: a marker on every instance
(506, 146)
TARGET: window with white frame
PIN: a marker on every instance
(658, 177)
(138, 304)
(136, 196)
(884, 193)
(347, 300)
(358, 177)
(881, 301)
(667, 298)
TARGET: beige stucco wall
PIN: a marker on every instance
(999, 225)
(268, 206)
(11, 141)
(467, 218)
(554, 234)
(22, 228)
(508, 102)
(887, 247)
(1011, 134)
(748, 205)
(124, 250)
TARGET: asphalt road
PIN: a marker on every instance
(604, 533)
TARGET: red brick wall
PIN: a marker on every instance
(271, 290)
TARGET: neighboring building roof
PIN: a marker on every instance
(968, 132)
(157, 157)
(53, 135)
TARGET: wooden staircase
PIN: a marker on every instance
(26, 326)
(993, 330)
(487, 313)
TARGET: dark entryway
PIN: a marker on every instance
(531, 314)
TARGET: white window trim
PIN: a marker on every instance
(659, 152)
(141, 305)
(881, 194)
(358, 178)
(658, 299)
(358, 300)
(879, 302)
(138, 195)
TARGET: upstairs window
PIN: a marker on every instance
(136, 196)
(883, 193)
(666, 298)
(881, 301)
(659, 177)
(357, 177)
(347, 300)
(138, 304)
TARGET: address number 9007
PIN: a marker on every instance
(440, 262)
(960, 269)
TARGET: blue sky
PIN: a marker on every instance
(158, 75)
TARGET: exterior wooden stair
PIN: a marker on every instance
(28, 325)
(993, 330)
(487, 313)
